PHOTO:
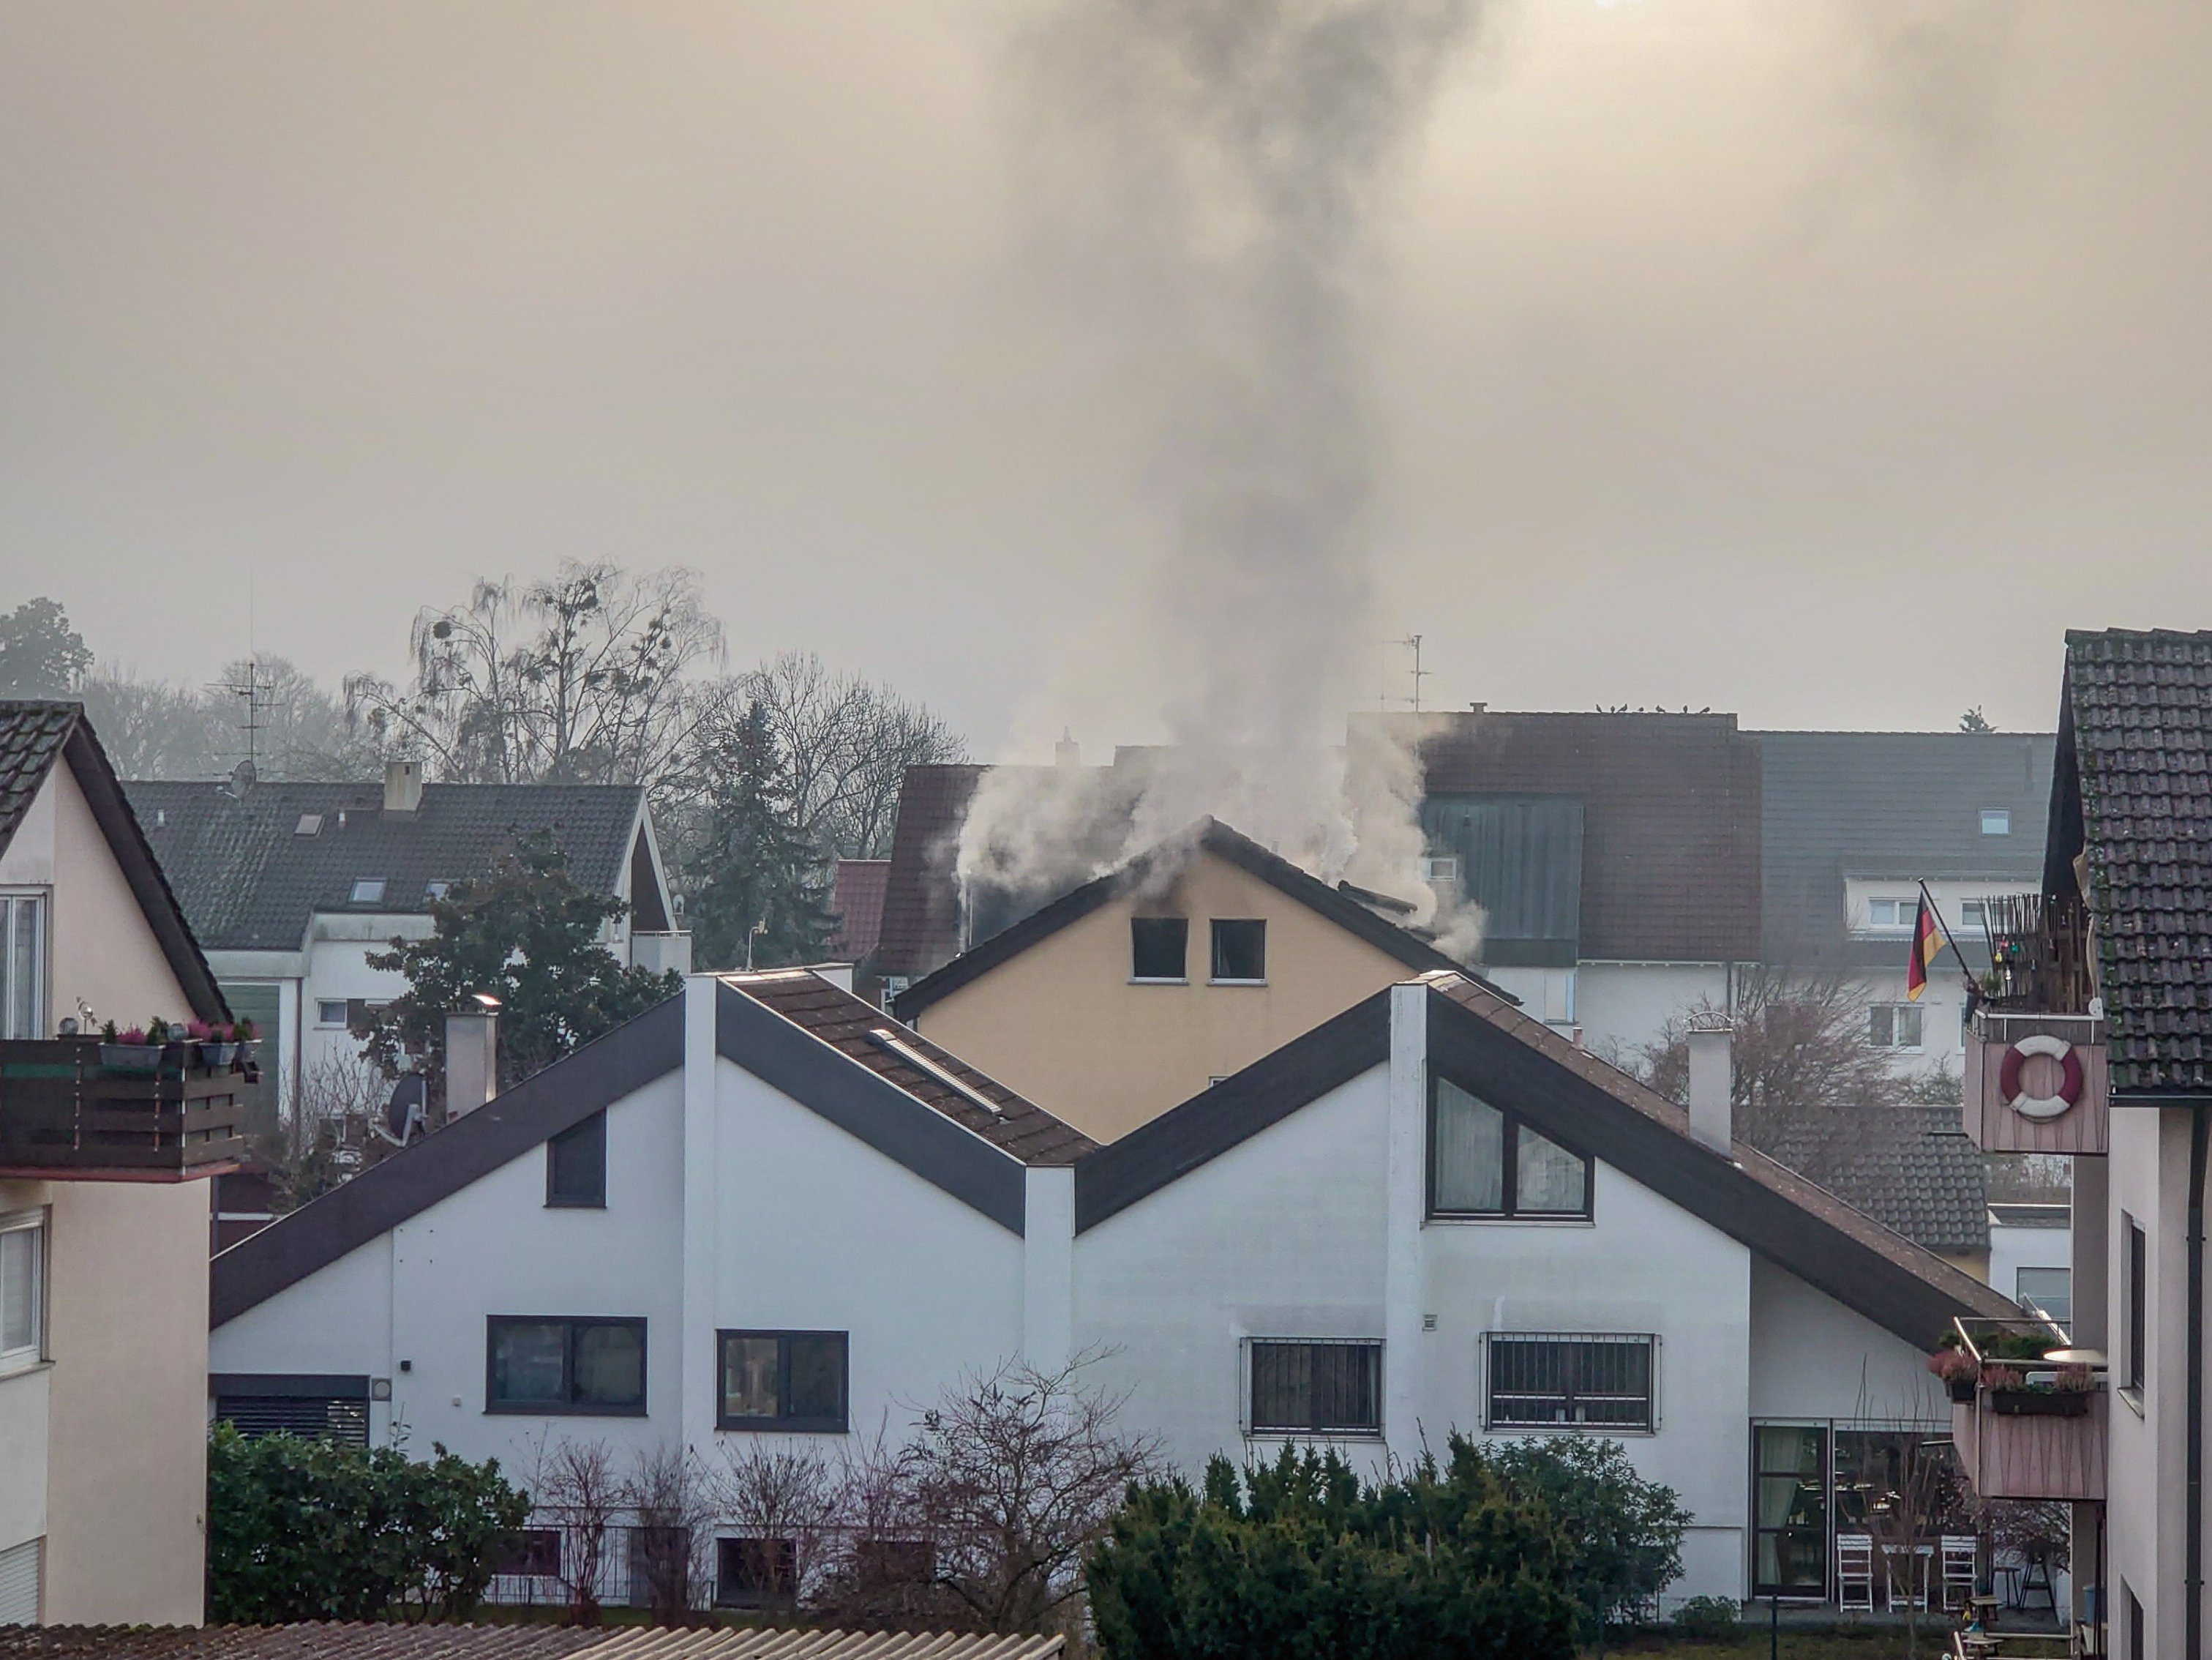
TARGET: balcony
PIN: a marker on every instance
(2037, 1083)
(64, 1117)
(2030, 1429)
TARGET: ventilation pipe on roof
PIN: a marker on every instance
(402, 788)
(1066, 752)
(1712, 1081)
(472, 1056)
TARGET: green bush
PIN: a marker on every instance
(1301, 1561)
(313, 1530)
(1624, 1533)
(1706, 1620)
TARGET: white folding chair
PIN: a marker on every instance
(1911, 1565)
(1854, 1572)
(1962, 1561)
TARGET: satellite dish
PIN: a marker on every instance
(407, 1115)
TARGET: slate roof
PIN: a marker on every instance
(33, 736)
(1341, 904)
(857, 896)
(1903, 805)
(2135, 788)
(1910, 1167)
(250, 881)
(335, 1640)
(847, 1024)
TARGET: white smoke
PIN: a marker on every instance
(1212, 173)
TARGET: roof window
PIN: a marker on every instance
(368, 891)
(311, 824)
(1997, 821)
(439, 888)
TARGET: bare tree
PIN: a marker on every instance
(1010, 1480)
(327, 1138)
(786, 1504)
(153, 729)
(580, 678)
(576, 1489)
(846, 742)
(672, 1504)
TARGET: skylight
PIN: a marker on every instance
(368, 891)
(311, 824)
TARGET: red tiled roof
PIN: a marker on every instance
(851, 1026)
(921, 925)
(857, 897)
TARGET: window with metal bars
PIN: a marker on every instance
(1316, 1388)
(1540, 1379)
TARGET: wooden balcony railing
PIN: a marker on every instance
(64, 1116)
(2039, 954)
(2037, 1083)
(2036, 1424)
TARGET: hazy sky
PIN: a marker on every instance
(1820, 359)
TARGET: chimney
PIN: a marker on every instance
(402, 788)
(472, 1056)
(1066, 752)
(1712, 1079)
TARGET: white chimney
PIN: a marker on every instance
(472, 1056)
(402, 788)
(1712, 1081)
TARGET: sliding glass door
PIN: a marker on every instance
(1789, 1510)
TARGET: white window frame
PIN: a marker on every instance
(1908, 913)
(32, 1222)
(42, 907)
(355, 896)
(1898, 1011)
(2004, 814)
(322, 1003)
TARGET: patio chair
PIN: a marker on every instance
(1910, 1565)
(1854, 1572)
(1961, 1570)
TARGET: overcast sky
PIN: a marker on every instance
(1820, 359)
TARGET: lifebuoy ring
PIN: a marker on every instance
(2040, 1106)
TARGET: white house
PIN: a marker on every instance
(769, 1210)
(290, 886)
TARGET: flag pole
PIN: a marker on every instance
(1949, 938)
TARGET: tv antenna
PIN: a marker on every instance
(253, 690)
(1412, 643)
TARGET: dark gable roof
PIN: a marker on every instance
(1910, 1167)
(1670, 819)
(249, 882)
(1214, 837)
(33, 737)
(921, 904)
(1902, 804)
(1477, 1039)
(2134, 786)
(789, 1028)
(857, 897)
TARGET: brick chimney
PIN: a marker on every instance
(402, 788)
(1712, 1081)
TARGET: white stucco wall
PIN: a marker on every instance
(1811, 1358)
(2013, 1248)
(1621, 1007)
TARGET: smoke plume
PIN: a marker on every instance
(1212, 173)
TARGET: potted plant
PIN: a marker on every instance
(217, 1045)
(1960, 1371)
(2012, 1395)
(130, 1052)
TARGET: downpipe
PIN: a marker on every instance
(2200, 1133)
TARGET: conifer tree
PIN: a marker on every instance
(757, 879)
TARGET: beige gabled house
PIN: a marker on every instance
(1139, 990)
(103, 1201)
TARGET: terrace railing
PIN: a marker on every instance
(63, 1116)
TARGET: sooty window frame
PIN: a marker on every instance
(1161, 928)
(786, 1421)
(1318, 1352)
(1576, 1395)
(1220, 948)
(568, 1406)
(589, 1194)
(1509, 1208)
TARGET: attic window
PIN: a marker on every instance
(1997, 821)
(368, 891)
(1240, 951)
(311, 824)
(1159, 948)
(437, 889)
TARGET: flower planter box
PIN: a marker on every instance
(131, 1060)
(2040, 1403)
(217, 1057)
(1962, 1391)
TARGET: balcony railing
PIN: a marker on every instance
(63, 1116)
(2034, 1425)
(2039, 954)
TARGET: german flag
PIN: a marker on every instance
(1928, 937)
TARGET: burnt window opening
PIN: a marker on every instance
(1239, 950)
(1159, 948)
(576, 1165)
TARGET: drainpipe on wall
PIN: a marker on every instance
(2200, 1129)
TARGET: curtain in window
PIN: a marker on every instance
(1549, 1177)
(21, 956)
(528, 1359)
(610, 1366)
(18, 1290)
(1470, 1152)
(751, 1379)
